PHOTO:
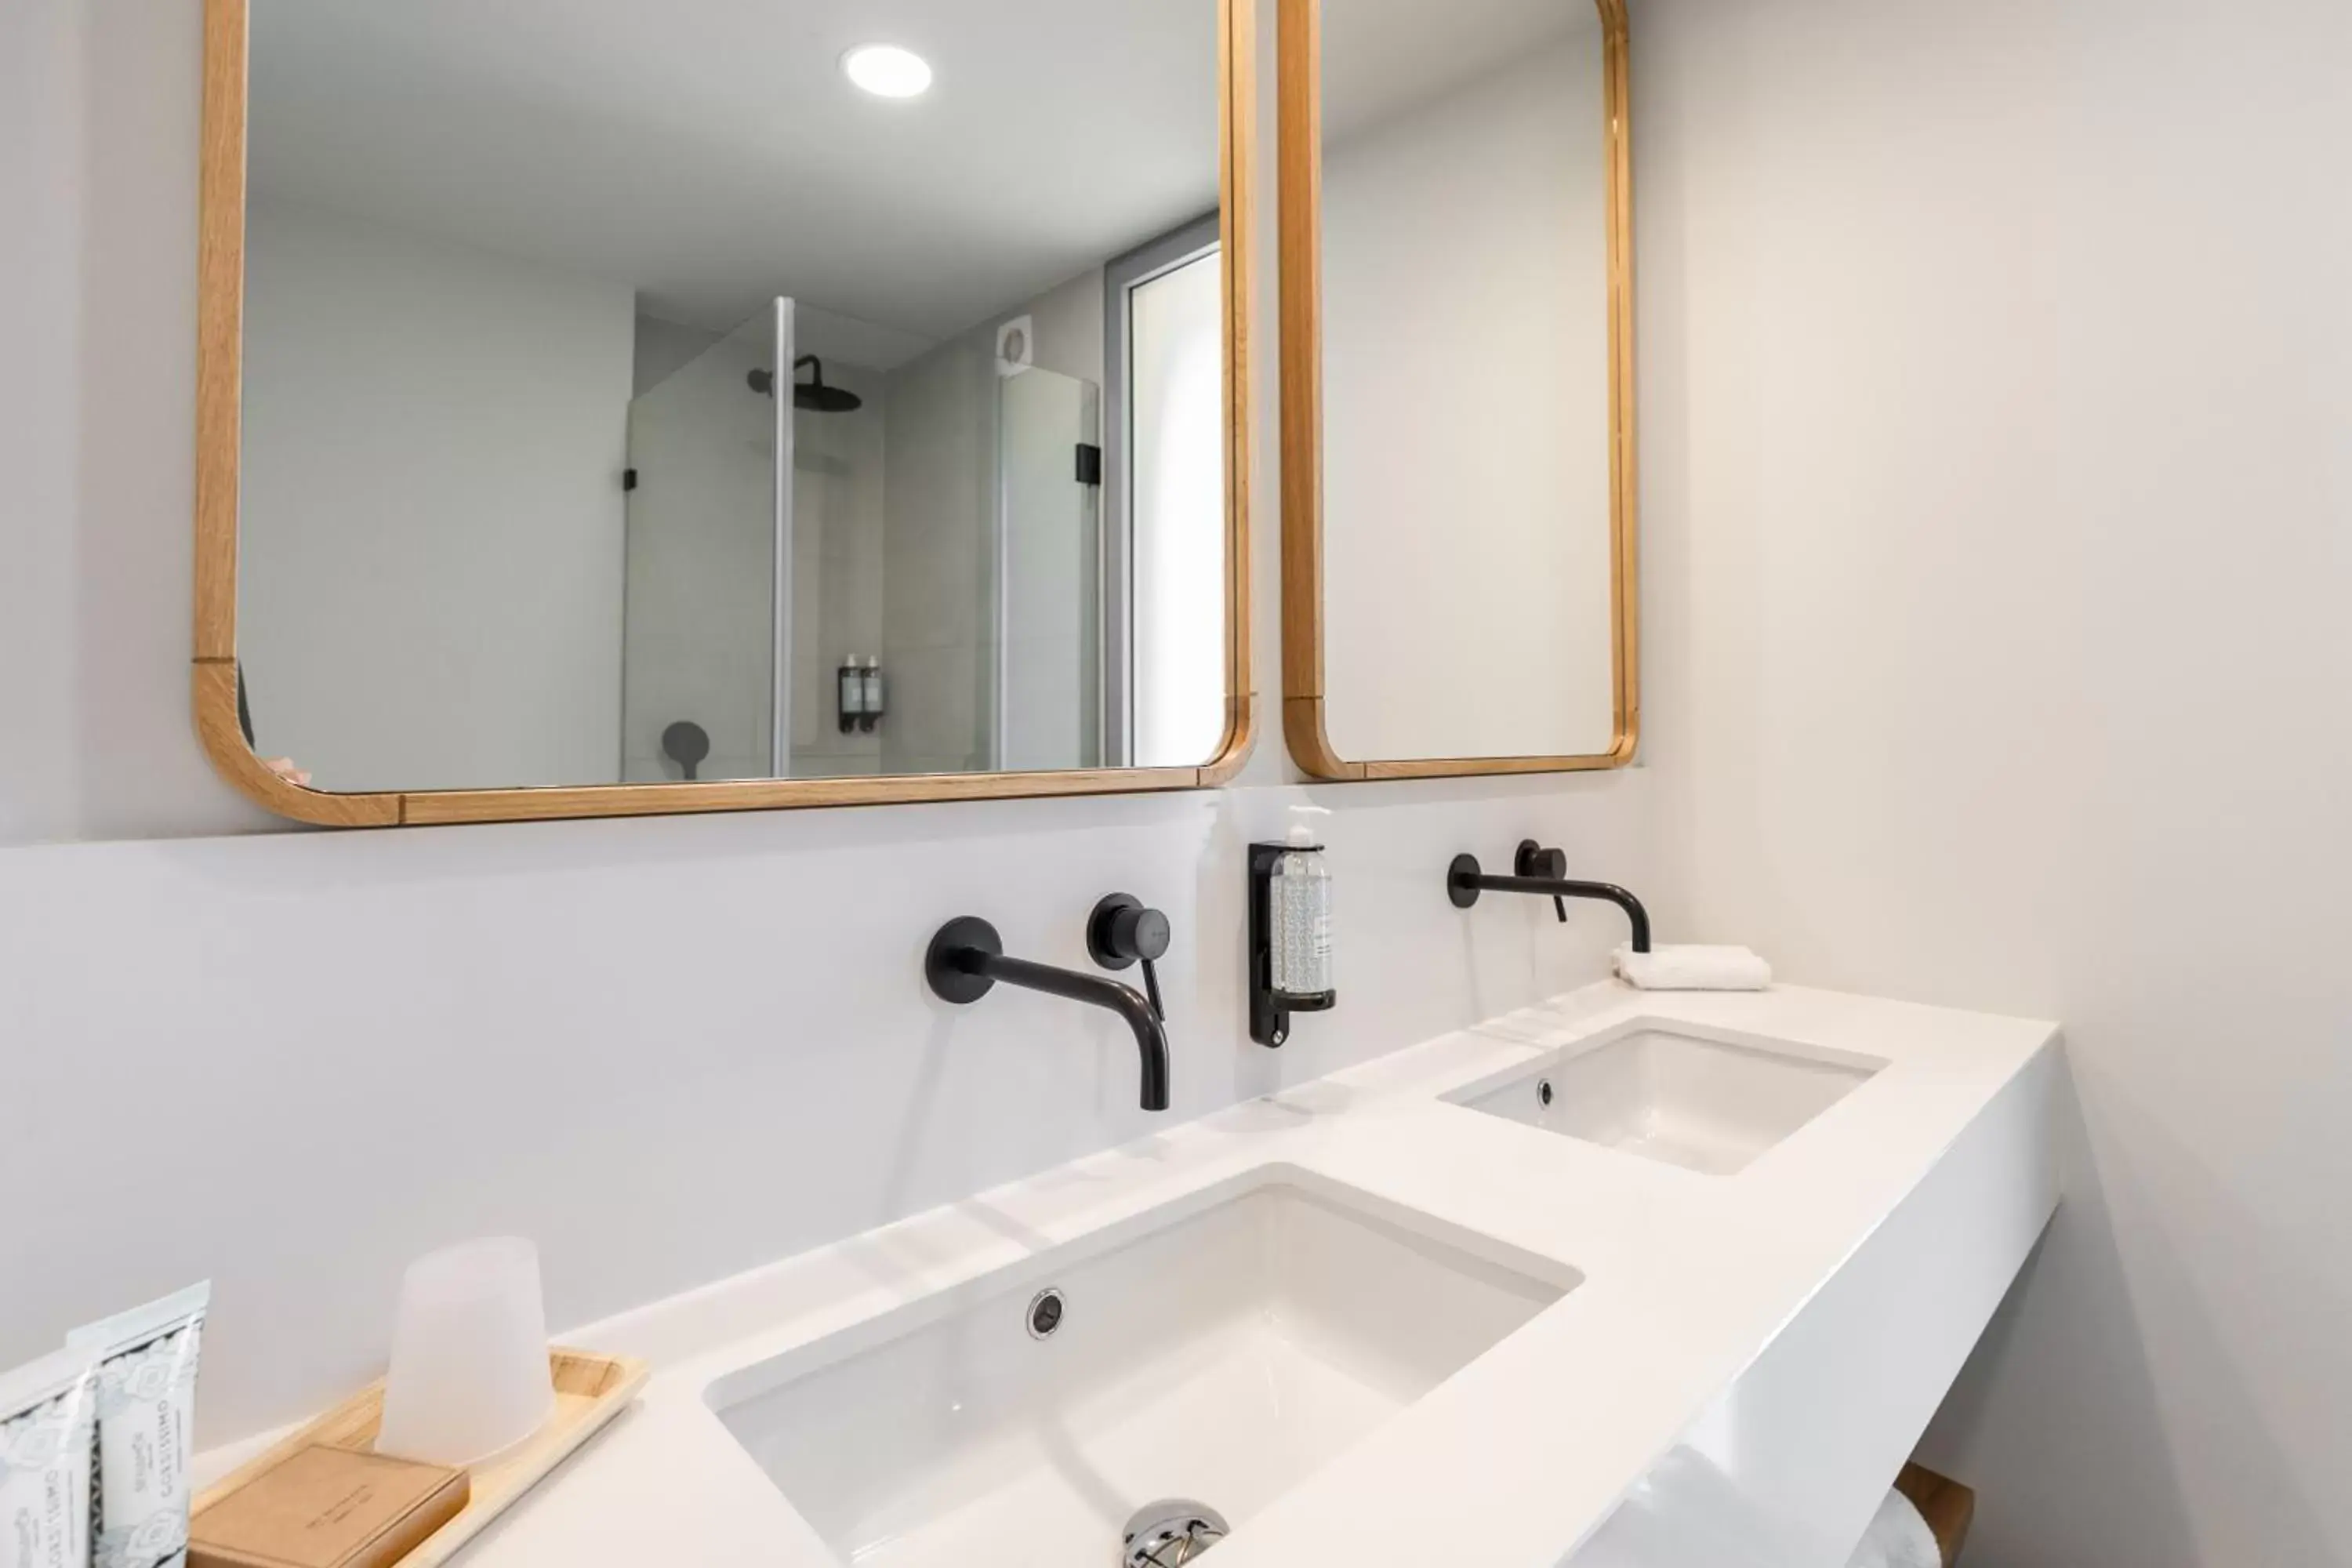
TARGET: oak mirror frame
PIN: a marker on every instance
(1308, 572)
(221, 720)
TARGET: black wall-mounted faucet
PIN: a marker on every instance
(966, 959)
(1544, 874)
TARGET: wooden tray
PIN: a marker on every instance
(590, 1390)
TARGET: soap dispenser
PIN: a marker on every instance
(850, 683)
(1290, 928)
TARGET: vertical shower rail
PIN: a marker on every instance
(780, 743)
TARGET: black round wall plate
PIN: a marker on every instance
(948, 979)
(1461, 881)
(1098, 938)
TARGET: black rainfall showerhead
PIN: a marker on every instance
(813, 395)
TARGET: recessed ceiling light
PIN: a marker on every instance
(886, 71)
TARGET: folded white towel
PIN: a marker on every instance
(1897, 1538)
(1694, 969)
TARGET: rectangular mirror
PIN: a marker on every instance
(1458, 507)
(609, 407)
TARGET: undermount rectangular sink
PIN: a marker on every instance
(1705, 1100)
(1220, 1351)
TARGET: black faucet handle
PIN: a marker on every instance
(1123, 931)
(1533, 860)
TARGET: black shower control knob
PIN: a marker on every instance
(1140, 934)
(1123, 929)
(1533, 860)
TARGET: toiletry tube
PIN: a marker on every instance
(146, 1408)
(49, 1413)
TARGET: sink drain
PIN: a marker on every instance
(1169, 1532)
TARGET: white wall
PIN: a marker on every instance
(1177, 543)
(1046, 536)
(1068, 319)
(665, 348)
(1998, 386)
(1048, 552)
(669, 1049)
(1466, 464)
(938, 576)
(429, 582)
(97, 106)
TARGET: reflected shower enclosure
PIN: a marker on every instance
(941, 531)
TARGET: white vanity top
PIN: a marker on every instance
(1686, 1279)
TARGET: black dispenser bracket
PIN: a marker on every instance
(1270, 1010)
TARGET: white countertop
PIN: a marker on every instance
(1687, 1280)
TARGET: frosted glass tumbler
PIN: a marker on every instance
(469, 1374)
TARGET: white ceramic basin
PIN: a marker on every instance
(1221, 1349)
(1704, 1101)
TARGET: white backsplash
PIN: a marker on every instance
(668, 1050)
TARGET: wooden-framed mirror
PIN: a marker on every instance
(1459, 510)
(611, 408)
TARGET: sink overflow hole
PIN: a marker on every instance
(1045, 1314)
(1543, 1092)
(1171, 1531)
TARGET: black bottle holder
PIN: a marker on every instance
(848, 695)
(1270, 1010)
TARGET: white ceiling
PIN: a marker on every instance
(710, 154)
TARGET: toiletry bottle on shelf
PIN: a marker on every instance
(1300, 894)
(849, 682)
(875, 701)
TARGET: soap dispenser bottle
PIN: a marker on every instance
(1290, 928)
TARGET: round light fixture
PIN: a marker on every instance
(886, 71)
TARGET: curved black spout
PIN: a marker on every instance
(966, 959)
(1465, 882)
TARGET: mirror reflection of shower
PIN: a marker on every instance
(939, 534)
(1006, 536)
